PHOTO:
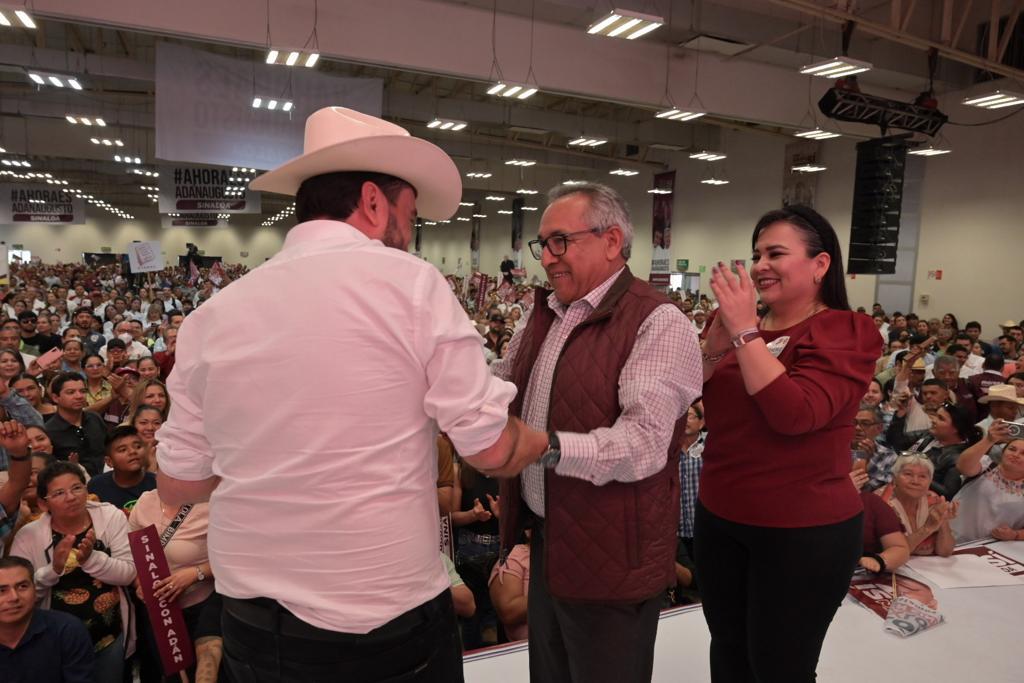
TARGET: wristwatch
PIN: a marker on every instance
(554, 452)
(745, 337)
(199, 573)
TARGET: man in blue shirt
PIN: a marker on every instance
(37, 645)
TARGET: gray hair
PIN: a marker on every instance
(908, 458)
(946, 361)
(875, 411)
(607, 209)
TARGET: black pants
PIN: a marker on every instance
(263, 643)
(770, 594)
(587, 643)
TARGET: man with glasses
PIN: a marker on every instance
(867, 447)
(608, 367)
(77, 434)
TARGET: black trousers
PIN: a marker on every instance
(587, 643)
(264, 642)
(770, 594)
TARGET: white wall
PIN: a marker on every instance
(66, 243)
(972, 202)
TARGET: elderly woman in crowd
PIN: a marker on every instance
(83, 562)
(925, 515)
(992, 500)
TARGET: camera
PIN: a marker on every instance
(1015, 430)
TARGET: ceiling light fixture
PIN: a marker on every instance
(75, 119)
(714, 181)
(494, 198)
(478, 174)
(659, 190)
(463, 218)
(516, 90)
(995, 100)
(524, 190)
(675, 114)
(809, 168)
(23, 17)
(520, 162)
(453, 125)
(127, 159)
(837, 67)
(584, 141)
(708, 156)
(929, 151)
(304, 58)
(54, 79)
(529, 208)
(574, 182)
(623, 171)
(817, 134)
(107, 142)
(504, 211)
(272, 103)
(625, 24)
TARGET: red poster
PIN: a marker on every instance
(172, 637)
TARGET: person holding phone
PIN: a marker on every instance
(776, 513)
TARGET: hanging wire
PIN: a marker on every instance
(696, 67)
(533, 10)
(495, 67)
(668, 59)
(313, 36)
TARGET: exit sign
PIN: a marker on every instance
(682, 265)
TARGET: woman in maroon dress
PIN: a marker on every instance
(778, 526)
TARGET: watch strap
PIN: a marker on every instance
(744, 337)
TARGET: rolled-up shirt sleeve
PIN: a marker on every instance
(468, 403)
(659, 381)
(183, 451)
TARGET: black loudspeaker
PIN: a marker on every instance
(877, 198)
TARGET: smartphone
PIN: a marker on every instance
(51, 356)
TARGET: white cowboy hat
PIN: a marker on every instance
(1002, 392)
(340, 139)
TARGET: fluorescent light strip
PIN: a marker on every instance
(308, 59)
(836, 67)
(520, 162)
(477, 174)
(494, 198)
(529, 208)
(708, 156)
(524, 190)
(714, 181)
(658, 190)
(587, 142)
(625, 24)
(679, 115)
(452, 125)
(929, 151)
(271, 103)
(623, 171)
(504, 211)
(519, 91)
(816, 134)
(996, 100)
(809, 168)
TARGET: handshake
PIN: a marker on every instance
(517, 447)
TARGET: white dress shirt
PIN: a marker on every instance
(314, 387)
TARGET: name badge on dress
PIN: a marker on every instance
(776, 347)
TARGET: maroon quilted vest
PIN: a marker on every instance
(611, 543)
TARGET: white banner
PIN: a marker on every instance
(198, 189)
(39, 204)
(193, 220)
(145, 257)
(204, 112)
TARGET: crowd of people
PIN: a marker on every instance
(934, 444)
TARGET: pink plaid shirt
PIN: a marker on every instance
(661, 378)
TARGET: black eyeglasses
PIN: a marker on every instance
(558, 244)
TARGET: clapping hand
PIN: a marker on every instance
(13, 438)
(1004, 533)
(941, 513)
(480, 512)
(85, 547)
(493, 503)
(737, 298)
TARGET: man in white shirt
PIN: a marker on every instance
(317, 444)
(136, 349)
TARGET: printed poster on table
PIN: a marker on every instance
(201, 189)
(874, 592)
(40, 204)
(661, 229)
(145, 257)
(1007, 564)
(799, 187)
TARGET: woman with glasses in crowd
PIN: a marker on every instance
(83, 563)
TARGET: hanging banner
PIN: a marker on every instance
(193, 220)
(661, 229)
(185, 189)
(800, 187)
(474, 239)
(168, 624)
(517, 231)
(417, 248)
(40, 204)
(145, 257)
(204, 112)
